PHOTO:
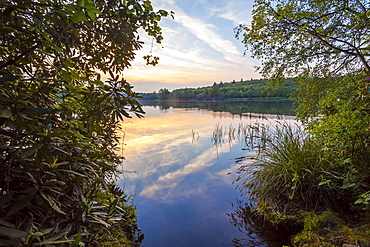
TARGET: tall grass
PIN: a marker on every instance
(293, 170)
(290, 172)
(251, 136)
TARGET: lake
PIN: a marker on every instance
(178, 173)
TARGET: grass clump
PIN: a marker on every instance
(291, 172)
(297, 172)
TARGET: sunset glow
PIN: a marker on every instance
(199, 47)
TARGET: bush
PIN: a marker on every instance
(59, 120)
(297, 171)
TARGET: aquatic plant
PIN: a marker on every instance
(290, 172)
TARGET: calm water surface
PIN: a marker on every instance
(179, 177)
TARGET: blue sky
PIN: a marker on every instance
(199, 46)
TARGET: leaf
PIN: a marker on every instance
(77, 240)
(6, 113)
(70, 171)
(6, 197)
(53, 242)
(37, 234)
(81, 3)
(51, 202)
(22, 203)
(115, 219)
(55, 239)
(70, 7)
(44, 152)
(78, 135)
(100, 213)
(111, 74)
(78, 17)
(361, 200)
(57, 48)
(11, 124)
(4, 223)
(99, 221)
(91, 14)
(348, 186)
(54, 165)
(38, 111)
(31, 150)
(14, 233)
(47, 230)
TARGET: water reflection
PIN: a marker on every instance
(260, 232)
(180, 183)
(235, 108)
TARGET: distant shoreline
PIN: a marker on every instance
(247, 100)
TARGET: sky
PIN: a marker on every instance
(199, 46)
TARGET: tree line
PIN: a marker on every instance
(251, 89)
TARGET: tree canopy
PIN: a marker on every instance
(325, 46)
(317, 37)
(59, 120)
(246, 90)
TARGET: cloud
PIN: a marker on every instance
(207, 33)
(198, 48)
(239, 12)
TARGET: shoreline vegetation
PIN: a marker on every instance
(59, 120)
(253, 90)
(318, 177)
(294, 189)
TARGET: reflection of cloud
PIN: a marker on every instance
(172, 179)
(155, 142)
(195, 165)
(161, 151)
(150, 191)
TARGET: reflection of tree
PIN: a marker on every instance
(164, 105)
(258, 231)
(235, 108)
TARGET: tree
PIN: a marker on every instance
(316, 38)
(163, 94)
(59, 120)
(326, 46)
(214, 90)
(316, 41)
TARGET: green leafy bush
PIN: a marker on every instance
(59, 120)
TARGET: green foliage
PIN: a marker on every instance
(163, 94)
(297, 171)
(59, 120)
(343, 127)
(254, 89)
(311, 37)
(325, 46)
(287, 176)
(328, 229)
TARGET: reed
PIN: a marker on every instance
(289, 170)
